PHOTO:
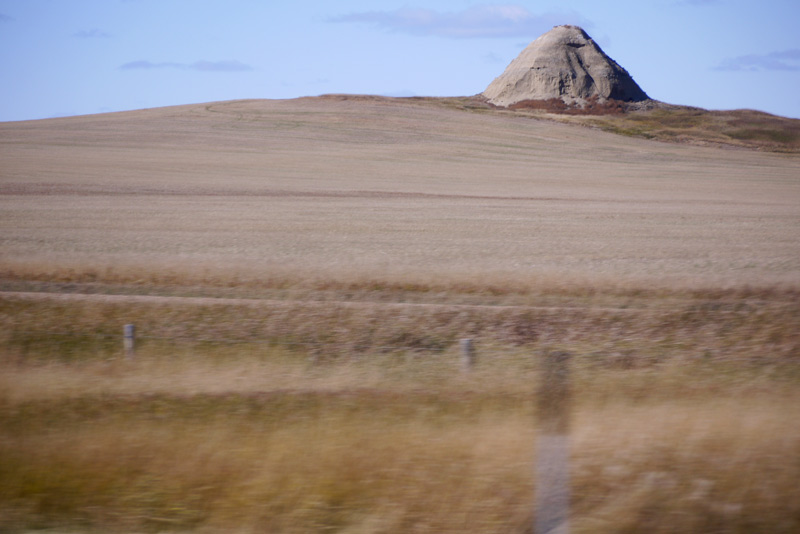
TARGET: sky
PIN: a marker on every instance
(75, 57)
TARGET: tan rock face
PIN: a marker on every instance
(563, 63)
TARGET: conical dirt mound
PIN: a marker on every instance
(564, 63)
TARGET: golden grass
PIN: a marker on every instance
(683, 415)
(354, 416)
(266, 443)
(631, 330)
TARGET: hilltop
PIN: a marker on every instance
(653, 120)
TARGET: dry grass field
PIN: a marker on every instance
(357, 188)
(300, 273)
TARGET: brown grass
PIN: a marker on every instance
(298, 416)
(300, 274)
(650, 329)
(238, 441)
(385, 190)
(737, 128)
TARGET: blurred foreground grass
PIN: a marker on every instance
(684, 418)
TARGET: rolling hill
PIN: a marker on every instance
(357, 186)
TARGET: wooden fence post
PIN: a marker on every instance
(552, 456)
(129, 340)
(467, 355)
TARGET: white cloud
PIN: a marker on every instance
(507, 20)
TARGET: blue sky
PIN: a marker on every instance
(72, 57)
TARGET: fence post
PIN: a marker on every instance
(467, 355)
(129, 340)
(552, 456)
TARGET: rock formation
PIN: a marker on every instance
(566, 64)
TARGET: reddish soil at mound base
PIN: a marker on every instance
(556, 105)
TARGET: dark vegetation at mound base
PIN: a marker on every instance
(651, 119)
(555, 105)
(740, 128)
